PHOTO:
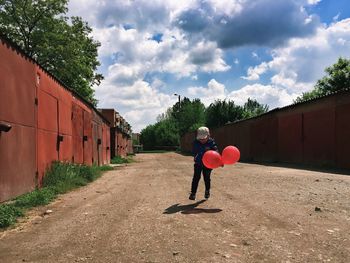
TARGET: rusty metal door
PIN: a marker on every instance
(65, 126)
(48, 139)
(88, 156)
(77, 133)
(319, 137)
(265, 139)
(290, 139)
(95, 155)
(342, 136)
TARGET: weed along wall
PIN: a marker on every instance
(311, 133)
(42, 121)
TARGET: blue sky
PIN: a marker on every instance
(268, 50)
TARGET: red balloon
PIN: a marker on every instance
(230, 155)
(212, 159)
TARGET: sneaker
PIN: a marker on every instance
(207, 194)
(192, 196)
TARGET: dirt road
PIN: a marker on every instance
(140, 213)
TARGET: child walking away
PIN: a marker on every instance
(201, 144)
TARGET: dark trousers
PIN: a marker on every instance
(198, 170)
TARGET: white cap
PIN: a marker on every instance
(202, 133)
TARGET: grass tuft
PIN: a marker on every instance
(121, 160)
(9, 215)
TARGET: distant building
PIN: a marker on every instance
(121, 142)
(137, 147)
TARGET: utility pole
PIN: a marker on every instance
(179, 99)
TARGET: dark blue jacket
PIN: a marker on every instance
(199, 149)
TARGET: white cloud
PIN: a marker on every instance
(227, 7)
(313, 2)
(298, 65)
(209, 94)
(335, 18)
(140, 103)
(254, 73)
(272, 95)
(265, 94)
(134, 87)
(208, 57)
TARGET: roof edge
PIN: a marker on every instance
(11, 43)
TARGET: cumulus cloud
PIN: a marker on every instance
(313, 2)
(193, 37)
(255, 72)
(272, 95)
(140, 103)
(265, 94)
(174, 54)
(207, 57)
(213, 91)
(298, 65)
(261, 22)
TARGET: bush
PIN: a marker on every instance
(8, 215)
(35, 198)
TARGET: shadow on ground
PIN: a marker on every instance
(190, 209)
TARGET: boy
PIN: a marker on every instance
(202, 144)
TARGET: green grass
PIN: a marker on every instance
(121, 160)
(61, 178)
(9, 215)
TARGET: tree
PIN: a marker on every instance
(221, 112)
(253, 108)
(148, 137)
(163, 133)
(189, 115)
(61, 45)
(315, 93)
(166, 133)
(337, 78)
(182, 117)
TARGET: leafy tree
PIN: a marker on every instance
(337, 78)
(166, 133)
(221, 112)
(182, 117)
(315, 93)
(61, 45)
(253, 108)
(189, 115)
(148, 137)
(163, 133)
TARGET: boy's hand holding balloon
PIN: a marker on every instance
(212, 159)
